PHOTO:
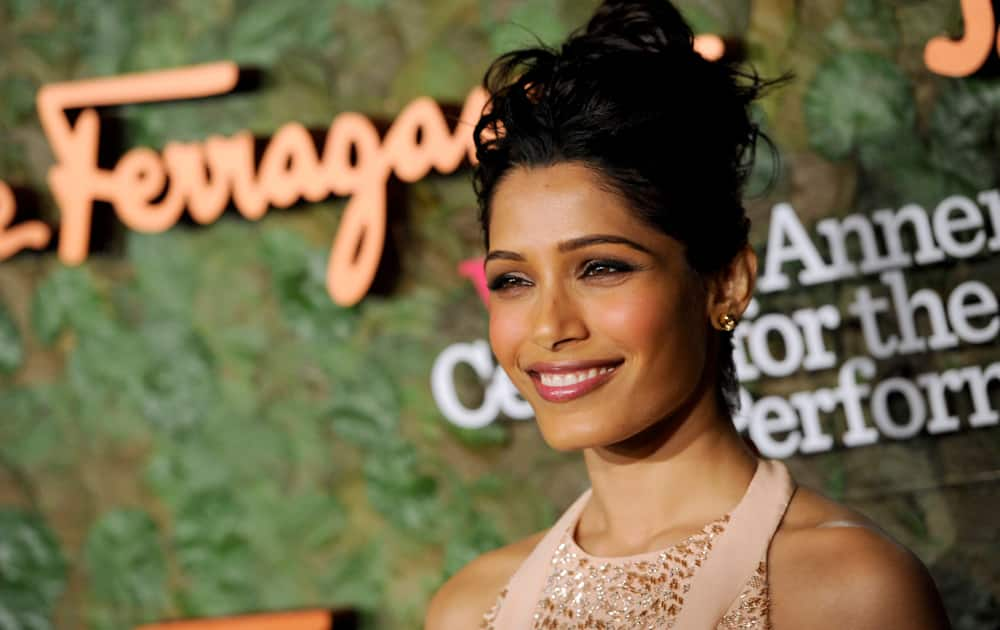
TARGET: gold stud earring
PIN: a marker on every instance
(727, 322)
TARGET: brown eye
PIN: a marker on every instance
(507, 281)
(606, 267)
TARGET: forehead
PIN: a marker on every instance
(548, 204)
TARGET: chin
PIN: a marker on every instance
(566, 435)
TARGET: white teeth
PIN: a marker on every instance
(551, 379)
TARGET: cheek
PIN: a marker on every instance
(508, 331)
(661, 328)
(636, 322)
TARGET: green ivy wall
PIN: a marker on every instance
(190, 427)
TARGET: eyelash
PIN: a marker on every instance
(501, 282)
(612, 267)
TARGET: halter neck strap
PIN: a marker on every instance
(738, 551)
(518, 608)
(734, 558)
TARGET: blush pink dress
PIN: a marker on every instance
(714, 579)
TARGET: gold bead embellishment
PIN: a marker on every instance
(644, 591)
(727, 322)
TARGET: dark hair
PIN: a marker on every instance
(628, 97)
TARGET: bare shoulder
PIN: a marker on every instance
(470, 593)
(831, 567)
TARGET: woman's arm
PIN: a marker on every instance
(462, 601)
(835, 578)
(471, 593)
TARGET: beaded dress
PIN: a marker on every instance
(716, 578)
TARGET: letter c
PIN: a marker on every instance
(511, 403)
(477, 355)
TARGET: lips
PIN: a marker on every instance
(561, 382)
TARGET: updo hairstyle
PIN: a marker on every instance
(628, 97)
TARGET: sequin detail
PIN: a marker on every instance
(751, 608)
(490, 618)
(645, 591)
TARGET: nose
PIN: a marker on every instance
(557, 319)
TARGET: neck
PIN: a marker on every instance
(679, 474)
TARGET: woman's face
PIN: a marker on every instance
(596, 317)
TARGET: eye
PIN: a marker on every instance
(597, 268)
(507, 281)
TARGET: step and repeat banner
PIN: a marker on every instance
(244, 376)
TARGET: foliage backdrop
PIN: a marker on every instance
(189, 426)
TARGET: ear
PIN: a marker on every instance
(731, 289)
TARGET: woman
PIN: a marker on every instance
(610, 181)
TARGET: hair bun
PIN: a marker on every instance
(639, 25)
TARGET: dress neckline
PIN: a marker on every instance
(723, 565)
(709, 530)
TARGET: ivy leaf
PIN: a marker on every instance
(494, 434)
(96, 379)
(370, 420)
(264, 30)
(410, 314)
(291, 535)
(11, 348)
(527, 23)
(126, 569)
(873, 18)
(363, 428)
(855, 99)
(179, 384)
(215, 557)
(962, 131)
(28, 432)
(892, 174)
(477, 536)
(32, 570)
(21, 9)
(399, 491)
(16, 94)
(105, 34)
(370, 5)
(309, 521)
(439, 71)
(357, 579)
(865, 24)
(189, 468)
(373, 389)
(700, 20)
(299, 278)
(162, 40)
(166, 273)
(67, 298)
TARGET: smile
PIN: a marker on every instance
(563, 383)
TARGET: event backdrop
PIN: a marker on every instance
(191, 426)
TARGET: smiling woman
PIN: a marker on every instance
(610, 178)
(590, 298)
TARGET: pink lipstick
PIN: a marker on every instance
(561, 382)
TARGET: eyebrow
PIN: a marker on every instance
(574, 244)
